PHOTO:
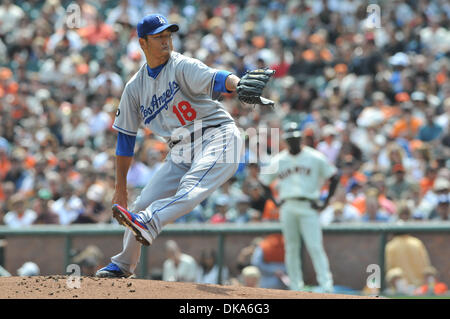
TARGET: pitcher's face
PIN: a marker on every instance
(158, 45)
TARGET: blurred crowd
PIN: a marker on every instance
(370, 91)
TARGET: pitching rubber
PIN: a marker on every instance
(124, 221)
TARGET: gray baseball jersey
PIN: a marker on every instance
(181, 94)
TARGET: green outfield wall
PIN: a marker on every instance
(351, 248)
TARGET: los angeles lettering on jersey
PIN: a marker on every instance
(159, 103)
(298, 169)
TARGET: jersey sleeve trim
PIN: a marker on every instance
(220, 79)
(125, 144)
(124, 130)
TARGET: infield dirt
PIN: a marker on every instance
(56, 287)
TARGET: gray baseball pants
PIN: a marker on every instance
(190, 173)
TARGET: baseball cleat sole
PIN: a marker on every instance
(124, 220)
(112, 276)
(106, 274)
(112, 271)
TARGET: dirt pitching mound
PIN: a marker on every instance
(62, 287)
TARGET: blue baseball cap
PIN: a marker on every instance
(153, 24)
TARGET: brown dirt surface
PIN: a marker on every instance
(56, 287)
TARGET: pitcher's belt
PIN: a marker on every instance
(173, 143)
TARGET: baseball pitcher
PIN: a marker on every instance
(172, 95)
(301, 174)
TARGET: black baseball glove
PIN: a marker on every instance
(251, 85)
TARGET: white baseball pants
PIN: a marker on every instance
(299, 221)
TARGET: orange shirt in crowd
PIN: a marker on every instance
(52, 160)
(358, 176)
(273, 248)
(439, 289)
(425, 185)
(360, 204)
(5, 166)
(323, 54)
(74, 175)
(390, 111)
(441, 78)
(30, 161)
(271, 211)
(402, 126)
(7, 84)
(95, 34)
(10, 88)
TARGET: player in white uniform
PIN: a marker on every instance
(172, 95)
(301, 173)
